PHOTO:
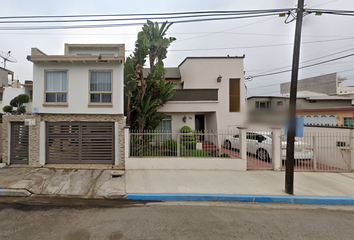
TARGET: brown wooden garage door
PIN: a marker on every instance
(80, 143)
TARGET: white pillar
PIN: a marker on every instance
(352, 149)
(9, 143)
(276, 149)
(243, 143)
(42, 142)
(127, 142)
(116, 140)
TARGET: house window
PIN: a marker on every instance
(234, 87)
(1, 93)
(164, 130)
(56, 86)
(348, 122)
(100, 86)
(263, 105)
(280, 103)
(31, 95)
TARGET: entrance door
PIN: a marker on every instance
(199, 123)
(19, 143)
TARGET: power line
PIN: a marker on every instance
(307, 66)
(255, 46)
(130, 24)
(346, 50)
(145, 14)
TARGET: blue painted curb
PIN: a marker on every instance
(159, 197)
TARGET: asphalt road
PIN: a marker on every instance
(102, 219)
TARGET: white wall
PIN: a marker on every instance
(203, 72)
(78, 88)
(177, 121)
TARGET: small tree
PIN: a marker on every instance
(17, 102)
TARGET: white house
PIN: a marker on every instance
(210, 95)
(77, 109)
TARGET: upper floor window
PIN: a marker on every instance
(31, 95)
(56, 86)
(100, 86)
(234, 101)
(263, 104)
(1, 93)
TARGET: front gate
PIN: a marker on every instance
(80, 143)
(19, 143)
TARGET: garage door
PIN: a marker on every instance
(80, 143)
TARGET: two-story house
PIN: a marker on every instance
(210, 95)
(77, 109)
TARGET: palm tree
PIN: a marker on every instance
(158, 43)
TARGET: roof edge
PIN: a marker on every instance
(210, 57)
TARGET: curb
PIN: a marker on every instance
(318, 200)
(10, 192)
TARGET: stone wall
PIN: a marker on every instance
(33, 137)
(34, 131)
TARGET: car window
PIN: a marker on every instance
(251, 136)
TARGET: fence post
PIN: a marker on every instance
(351, 149)
(127, 142)
(178, 145)
(314, 152)
(243, 143)
(276, 149)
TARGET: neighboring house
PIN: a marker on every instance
(5, 74)
(316, 110)
(10, 92)
(210, 95)
(77, 109)
(328, 84)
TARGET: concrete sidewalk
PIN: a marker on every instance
(60, 182)
(234, 182)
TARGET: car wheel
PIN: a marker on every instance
(262, 154)
(227, 144)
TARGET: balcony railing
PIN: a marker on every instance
(195, 95)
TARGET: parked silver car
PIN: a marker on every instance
(260, 144)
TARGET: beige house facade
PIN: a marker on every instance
(210, 95)
(76, 115)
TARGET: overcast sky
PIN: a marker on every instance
(245, 36)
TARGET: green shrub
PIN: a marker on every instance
(186, 129)
(224, 155)
(190, 144)
(195, 153)
(170, 145)
(8, 109)
(22, 110)
(188, 140)
(214, 153)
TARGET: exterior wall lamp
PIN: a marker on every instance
(219, 78)
(184, 119)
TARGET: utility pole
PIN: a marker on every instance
(289, 170)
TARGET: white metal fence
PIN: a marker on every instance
(323, 151)
(318, 150)
(201, 144)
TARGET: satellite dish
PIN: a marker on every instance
(7, 57)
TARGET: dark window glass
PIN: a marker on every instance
(106, 98)
(50, 97)
(95, 98)
(234, 101)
